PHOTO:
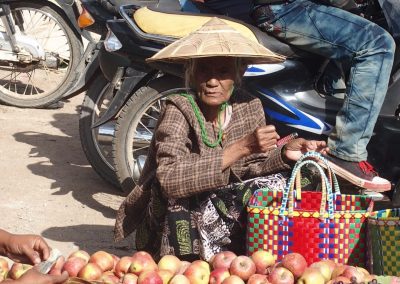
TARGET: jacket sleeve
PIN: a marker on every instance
(180, 172)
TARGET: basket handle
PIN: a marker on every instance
(321, 159)
(288, 194)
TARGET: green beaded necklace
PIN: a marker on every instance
(204, 135)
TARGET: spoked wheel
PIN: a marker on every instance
(135, 127)
(97, 142)
(32, 82)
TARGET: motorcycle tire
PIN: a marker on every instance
(135, 126)
(18, 86)
(96, 142)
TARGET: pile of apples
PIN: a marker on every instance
(224, 268)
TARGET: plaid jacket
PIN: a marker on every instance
(182, 165)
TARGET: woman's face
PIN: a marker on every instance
(214, 78)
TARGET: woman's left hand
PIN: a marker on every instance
(294, 149)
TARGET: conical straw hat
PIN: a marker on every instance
(216, 38)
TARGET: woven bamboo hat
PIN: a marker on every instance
(216, 38)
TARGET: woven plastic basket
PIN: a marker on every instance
(317, 225)
(384, 242)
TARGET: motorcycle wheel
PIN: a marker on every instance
(97, 142)
(135, 126)
(39, 84)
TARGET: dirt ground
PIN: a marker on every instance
(47, 186)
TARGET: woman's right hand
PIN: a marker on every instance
(263, 139)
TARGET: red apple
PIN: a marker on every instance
(142, 261)
(129, 278)
(169, 262)
(82, 254)
(90, 271)
(197, 273)
(3, 268)
(325, 267)
(103, 259)
(281, 275)
(295, 262)
(73, 265)
(311, 276)
(116, 259)
(179, 279)
(223, 259)
(243, 267)
(218, 275)
(258, 279)
(263, 260)
(166, 275)
(123, 265)
(17, 270)
(108, 277)
(149, 277)
(202, 263)
(338, 270)
(341, 279)
(354, 274)
(233, 279)
(184, 265)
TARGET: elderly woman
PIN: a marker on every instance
(211, 145)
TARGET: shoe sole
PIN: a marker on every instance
(357, 180)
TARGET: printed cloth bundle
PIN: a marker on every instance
(318, 225)
(384, 242)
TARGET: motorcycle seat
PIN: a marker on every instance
(168, 5)
(163, 23)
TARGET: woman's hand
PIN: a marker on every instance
(263, 139)
(294, 149)
(26, 248)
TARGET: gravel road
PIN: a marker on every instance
(47, 186)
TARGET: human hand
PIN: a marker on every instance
(26, 248)
(34, 276)
(294, 149)
(263, 139)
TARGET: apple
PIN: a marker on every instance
(169, 262)
(122, 266)
(233, 279)
(370, 278)
(179, 279)
(82, 254)
(341, 279)
(3, 268)
(149, 277)
(197, 273)
(108, 277)
(218, 275)
(354, 274)
(73, 265)
(295, 262)
(129, 278)
(258, 279)
(142, 261)
(91, 271)
(338, 270)
(281, 275)
(311, 276)
(202, 263)
(223, 259)
(243, 267)
(325, 267)
(17, 270)
(103, 259)
(184, 265)
(116, 259)
(263, 260)
(166, 275)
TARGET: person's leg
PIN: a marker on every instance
(337, 34)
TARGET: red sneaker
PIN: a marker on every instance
(361, 174)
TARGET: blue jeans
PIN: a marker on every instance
(340, 35)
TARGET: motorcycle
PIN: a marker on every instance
(40, 51)
(290, 94)
(107, 82)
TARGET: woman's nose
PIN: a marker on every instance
(212, 81)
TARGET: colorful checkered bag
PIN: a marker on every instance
(384, 242)
(318, 225)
